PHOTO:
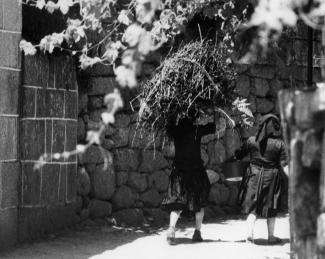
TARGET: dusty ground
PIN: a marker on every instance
(224, 239)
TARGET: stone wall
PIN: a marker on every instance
(133, 189)
(38, 111)
(10, 71)
(48, 125)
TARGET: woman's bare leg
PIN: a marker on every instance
(199, 219)
(270, 227)
(250, 221)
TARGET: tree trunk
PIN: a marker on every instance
(303, 114)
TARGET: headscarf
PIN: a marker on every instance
(263, 132)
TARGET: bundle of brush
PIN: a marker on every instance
(195, 78)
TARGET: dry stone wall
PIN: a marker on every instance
(132, 189)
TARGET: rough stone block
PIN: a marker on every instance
(159, 180)
(266, 72)
(9, 49)
(144, 139)
(129, 217)
(8, 226)
(71, 138)
(103, 181)
(9, 174)
(12, 17)
(242, 86)
(9, 85)
(261, 87)
(50, 103)
(152, 162)
(95, 102)
(98, 70)
(36, 71)
(83, 184)
(217, 154)
(151, 198)
(71, 182)
(137, 182)
(29, 102)
(122, 120)
(31, 185)
(275, 86)
(50, 184)
(126, 160)
(8, 138)
(99, 209)
(264, 105)
(102, 85)
(58, 136)
(232, 142)
(157, 216)
(123, 198)
(121, 137)
(121, 178)
(71, 105)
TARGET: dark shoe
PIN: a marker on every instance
(250, 240)
(197, 236)
(171, 240)
(274, 240)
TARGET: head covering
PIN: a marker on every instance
(265, 131)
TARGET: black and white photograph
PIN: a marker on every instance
(162, 129)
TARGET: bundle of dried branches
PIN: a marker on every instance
(197, 77)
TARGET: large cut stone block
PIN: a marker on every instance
(71, 138)
(8, 226)
(12, 15)
(71, 105)
(36, 71)
(50, 184)
(9, 85)
(50, 103)
(58, 136)
(31, 185)
(29, 102)
(71, 182)
(9, 184)
(8, 138)
(9, 49)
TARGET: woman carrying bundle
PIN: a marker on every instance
(188, 183)
(261, 188)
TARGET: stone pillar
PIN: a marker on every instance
(10, 70)
(48, 125)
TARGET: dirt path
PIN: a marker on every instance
(224, 239)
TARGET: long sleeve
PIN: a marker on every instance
(243, 151)
(209, 128)
(283, 155)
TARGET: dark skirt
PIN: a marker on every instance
(188, 190)
(260, 191)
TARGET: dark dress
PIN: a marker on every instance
(189, 185)
(261, 186)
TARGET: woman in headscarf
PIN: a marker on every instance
(261, 187)
(189, 185)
